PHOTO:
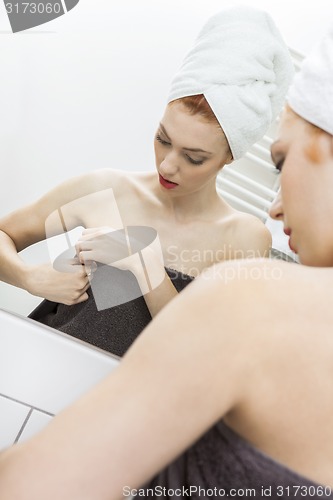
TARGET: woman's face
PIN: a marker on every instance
(305, 201)
(189, 151)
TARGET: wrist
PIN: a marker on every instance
(26, 275)
(150, 273)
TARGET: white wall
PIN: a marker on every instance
(86, 90)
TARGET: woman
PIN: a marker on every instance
(195, 226)
(255, 395)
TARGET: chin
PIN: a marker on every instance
(315, 259)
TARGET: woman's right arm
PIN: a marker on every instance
(34, 223)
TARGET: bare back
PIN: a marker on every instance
(288, 406)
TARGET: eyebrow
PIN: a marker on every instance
(194, 150)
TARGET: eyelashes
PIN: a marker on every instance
(159, 139)
(191, 160)
(194, 162)
(279, 166)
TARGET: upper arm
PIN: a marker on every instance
(24, 226)
(59, 210)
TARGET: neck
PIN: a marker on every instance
(188, 207)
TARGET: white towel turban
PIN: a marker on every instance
(311, 94)
(243, 67)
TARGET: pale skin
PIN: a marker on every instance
(267, 371)
(196, 227)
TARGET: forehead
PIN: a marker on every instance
(181, 126)
(292, 130)
(291, 123)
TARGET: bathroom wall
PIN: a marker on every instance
(86, 90)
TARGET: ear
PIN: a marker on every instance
(229, 159)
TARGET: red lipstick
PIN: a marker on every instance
(167, 184)
(287, 231)
(291, 247)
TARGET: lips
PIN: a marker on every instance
(287, 231)
(167, 184)
(291, 246)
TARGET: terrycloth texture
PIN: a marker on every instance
(113, 329)
(243, 67)
(223, 460)
(311, 94)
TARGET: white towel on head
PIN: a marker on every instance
(311, 94)
(243, 67)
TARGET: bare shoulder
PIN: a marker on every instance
(95, 181)
(266, 291)
(100, 179)
(238, 299)
(120, 179)
(250, 235)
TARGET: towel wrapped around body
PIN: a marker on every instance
(113, 329)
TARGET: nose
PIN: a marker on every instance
(276, 210)
(169, 165)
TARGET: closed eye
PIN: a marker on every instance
(194, 162)
(159, 139)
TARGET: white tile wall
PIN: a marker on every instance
(12, 417)
(42, 371)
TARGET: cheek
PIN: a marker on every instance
(290, 174)
(204, 172)
(296, 187)
(289, 192)
(158, 151)
(215, 167)
(285, 183)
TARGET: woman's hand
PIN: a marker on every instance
(102, 244)
(109, 246)
(68, 286)
(122, 250)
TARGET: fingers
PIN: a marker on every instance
(85, 257)
(79, 295)
(80, 299)
(90, 267)
(104, 245)
(81, 245)
(83, 298)
(81, 270)
(89, 235)
(84, 249)
(85, 287)
(70, 284)
(86, 276)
